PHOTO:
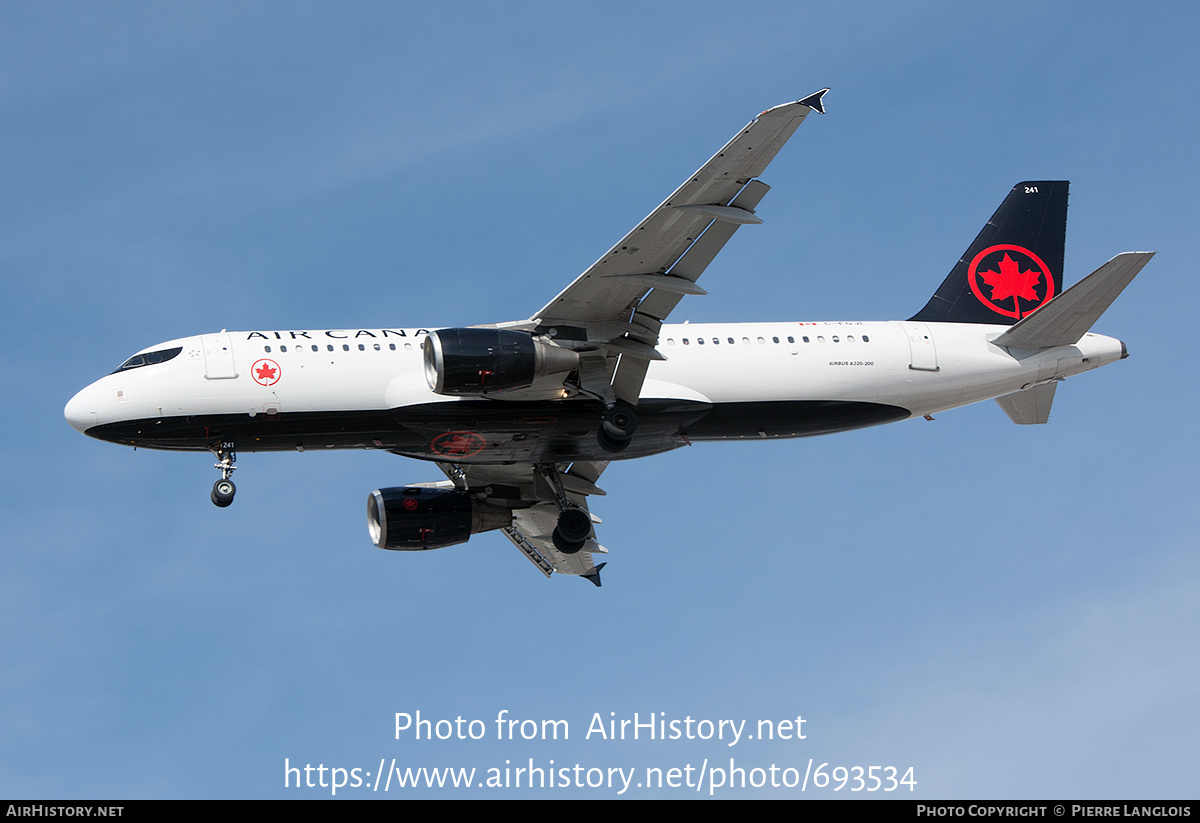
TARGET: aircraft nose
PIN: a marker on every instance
(81, 410)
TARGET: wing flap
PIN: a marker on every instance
(655, 306)
(535, 525)
(659, 302)
(528, 493)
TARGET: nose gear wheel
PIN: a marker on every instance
(223, 490)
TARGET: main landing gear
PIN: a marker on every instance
(617, 427)
(223, 490)
(574, 525)
(573, 529)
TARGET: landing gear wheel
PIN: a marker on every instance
(222, 493)
(617, 427)
(223, 489)
(573, 529)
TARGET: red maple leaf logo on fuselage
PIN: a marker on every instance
(265, 372)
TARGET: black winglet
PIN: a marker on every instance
(595, 576)
(813, 101)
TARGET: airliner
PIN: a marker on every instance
(524, 416)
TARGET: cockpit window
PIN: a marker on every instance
(149, 358)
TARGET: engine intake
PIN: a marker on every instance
(487, 361)
(415, 518)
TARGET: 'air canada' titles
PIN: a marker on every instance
(336, 334)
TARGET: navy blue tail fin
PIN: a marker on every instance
(1015, 264)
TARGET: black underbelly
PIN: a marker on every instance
(790, 418)
(486, 431)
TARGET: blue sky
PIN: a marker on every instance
(1009, 610)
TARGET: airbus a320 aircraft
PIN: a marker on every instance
(524, 416)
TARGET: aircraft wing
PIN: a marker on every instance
(531, 493)
(619, 303)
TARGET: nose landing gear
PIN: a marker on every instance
(222, 493)
(223, 490)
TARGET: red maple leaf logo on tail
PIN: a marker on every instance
(1010, 281)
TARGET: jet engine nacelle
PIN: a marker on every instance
(414, 518)
(486, 361)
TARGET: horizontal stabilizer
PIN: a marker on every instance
(1030, 406)
(1067, 318)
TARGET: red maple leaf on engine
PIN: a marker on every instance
(1010, 281)
(265, 372)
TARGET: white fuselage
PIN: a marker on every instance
(920, 368)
